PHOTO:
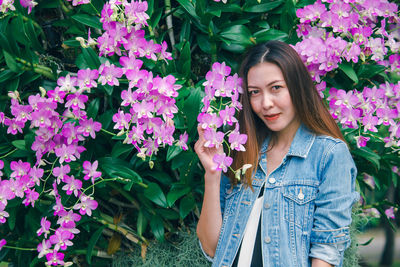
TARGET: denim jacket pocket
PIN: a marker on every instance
(299, 203)
(230, 197)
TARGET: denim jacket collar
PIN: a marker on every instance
(301, 143)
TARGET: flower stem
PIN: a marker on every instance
(9, 153)
(110, 133)
(18, 248)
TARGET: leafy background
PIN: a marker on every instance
(161, 202)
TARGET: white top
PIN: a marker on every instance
(250, 233)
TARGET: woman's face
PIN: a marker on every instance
(270, 98)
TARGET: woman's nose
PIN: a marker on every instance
(267, 102)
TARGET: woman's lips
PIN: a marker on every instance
(272, 117)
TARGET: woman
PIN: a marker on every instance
(293, 208)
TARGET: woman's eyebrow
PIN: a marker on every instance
(269, 84)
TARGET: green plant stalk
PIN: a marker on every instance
(45, 181)
(18, 248)
(128, 234)
(35, 24)
(110, 133)
(169, 22)
(126, 195)
(39, 69)
(9, 153)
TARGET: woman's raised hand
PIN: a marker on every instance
(206, 154)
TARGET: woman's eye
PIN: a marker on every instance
(253, 92)
(276, 87)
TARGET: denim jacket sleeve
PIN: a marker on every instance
(223, 185)
(330, 234)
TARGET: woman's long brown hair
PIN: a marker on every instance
(305, 98)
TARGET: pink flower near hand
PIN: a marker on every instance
(90, 170)
(222, 162)
(390, 213)
(28, 4)
(3, 242)
(183, 138)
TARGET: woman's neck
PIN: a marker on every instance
(283, 139)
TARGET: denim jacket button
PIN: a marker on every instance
(267, 205)
(271, 180)
(267, 240)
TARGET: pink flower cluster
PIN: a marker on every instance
(348, 30)
(368, 109)
(59, 121)
(6, 5)
(148, 123)
(66, 229)
(220, 105)
(123, 22)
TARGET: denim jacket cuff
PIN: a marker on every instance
(340, 235)
(331, 253)
(204, 253)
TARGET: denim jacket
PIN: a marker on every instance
(307, 204)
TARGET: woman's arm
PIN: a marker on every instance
(320, 263)
(209, 225)
(332, 217)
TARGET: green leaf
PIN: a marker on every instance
(160, 176)
(120, 148)
(186, 205)
(261, 8)
(189, 8)
(183, 159)
(93, 108)
(30, 32)
(72, 43)
(369, 71)
(185, 59)
(92, 242)
(177, 191)
(10, 61)
(349, 71)
(173, 151)
(157, 227)
(17, 27)
(117, 167)
(141, 223)
(155, 18)
(20, 144)
(168, 214)
(88, 20)
(192, 108)
(6, 75)
(271, 34)
(13, 84)
(237, 34)
(204, 43)
(155, 194)
(369, 155)
(4, 43)
(91, 58)
(12, 218)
